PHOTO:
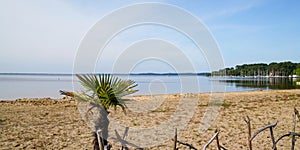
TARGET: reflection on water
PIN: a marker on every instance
(264, 83)
(20, 86)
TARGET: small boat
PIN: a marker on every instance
(295, 76)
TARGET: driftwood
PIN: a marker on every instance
(215, 136)
(182, 143)
(296, 114)
(247, 120)
(124, 142)
(286, 135)
(250, 138)
(100, 139)
(187, 144)
(175, 139)
(293, 134)
(270, 127)
(123, 139)
(264, 128)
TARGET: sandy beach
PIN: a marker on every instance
(45, 123)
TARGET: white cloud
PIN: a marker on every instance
(223, 9)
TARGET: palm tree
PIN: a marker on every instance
(104, 91)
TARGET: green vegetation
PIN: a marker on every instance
(261, 69)
(225, 105)
(297, 71)
(162, 110)
(2, 120)
(104, 91)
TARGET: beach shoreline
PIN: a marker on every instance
(56, 123)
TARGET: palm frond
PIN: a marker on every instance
(66, 93)
(106, 89)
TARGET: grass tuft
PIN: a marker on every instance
(225, 105)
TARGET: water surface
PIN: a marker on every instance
(31, 86)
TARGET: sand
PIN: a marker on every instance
(45, 123)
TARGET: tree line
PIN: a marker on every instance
(261, 69)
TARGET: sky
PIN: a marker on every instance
(44, 36)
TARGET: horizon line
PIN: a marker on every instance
(134, 73)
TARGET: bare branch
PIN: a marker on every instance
(297, 113)
(247, 120)
(211, 140)
(187, 144)
(100, 139)
(286, 135)
(123, 141)
(262, 129)
(175, 139)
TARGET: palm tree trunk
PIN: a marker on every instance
(102, 124)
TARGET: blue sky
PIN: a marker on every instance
(43, 36)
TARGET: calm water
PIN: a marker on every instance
(20, 86)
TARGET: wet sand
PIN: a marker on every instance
(45, 123)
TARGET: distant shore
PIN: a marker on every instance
(56, 123)
(141, 73)
(290, 76)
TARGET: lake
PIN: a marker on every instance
(32, 86)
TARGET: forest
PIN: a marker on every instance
(282, 69)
